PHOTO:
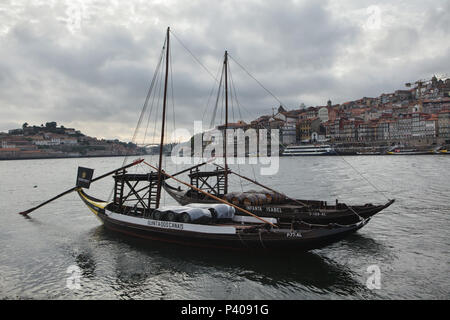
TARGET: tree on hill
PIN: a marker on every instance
(50, 125)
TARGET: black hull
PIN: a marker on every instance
(302, 239)
(340, 214)
(233, 242)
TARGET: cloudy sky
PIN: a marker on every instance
(88, 63)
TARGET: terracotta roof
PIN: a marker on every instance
(9, 149)
(436, 100)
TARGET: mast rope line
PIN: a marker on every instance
(233, 98)
(240, 115)
(250, 75)
(149, 92)
(362, 176)
(144, 108)
(210, 96)
(216, 80)
(173, 106)
(219, 90)
(376, 189)
(161, 149)
(242, 241)
(195, 58)
(350, 207)
(260, 239)
(158, 85)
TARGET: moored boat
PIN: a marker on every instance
(235, 233)
(309, 150)
(310, 211)
(398, 150)
(442, 150)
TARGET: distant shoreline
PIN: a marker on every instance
(70, 157)
(115, 156)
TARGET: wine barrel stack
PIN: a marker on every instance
(254, 198)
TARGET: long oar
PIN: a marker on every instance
(211, 196)
(75, 188)
(263, 186)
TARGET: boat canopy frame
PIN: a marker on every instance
(205, 181)
(140, 189)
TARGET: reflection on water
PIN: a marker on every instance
(135, 262)
(85, 261)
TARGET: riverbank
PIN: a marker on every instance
(71, 157)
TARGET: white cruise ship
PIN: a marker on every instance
(309, 150)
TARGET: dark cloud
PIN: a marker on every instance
(89, 63)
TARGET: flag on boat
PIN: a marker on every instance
(84, 177)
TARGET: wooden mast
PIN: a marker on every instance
(225, 62)
(158, 190)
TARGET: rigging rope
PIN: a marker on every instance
(213, 118)
(367, 180)
(250, 75)
(144, 109)
(233, 94)
(173, 106)
(376, 189)
(210, 95)
(240, 115)
(195, 58)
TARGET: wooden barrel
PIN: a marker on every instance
(268, 196)
(263, 198)
(229, 196)
(238, 198)
(254, 199)
(277, 197)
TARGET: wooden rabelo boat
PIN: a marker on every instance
(210, 225)
(285, 209)
(135, 211)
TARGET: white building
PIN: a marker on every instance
(323, 114)
(288, 134)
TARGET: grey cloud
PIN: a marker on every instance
(101, 73)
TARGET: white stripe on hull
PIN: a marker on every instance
(305, 153)
(247, 219)
(201, 228)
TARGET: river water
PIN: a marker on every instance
(408, 242)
